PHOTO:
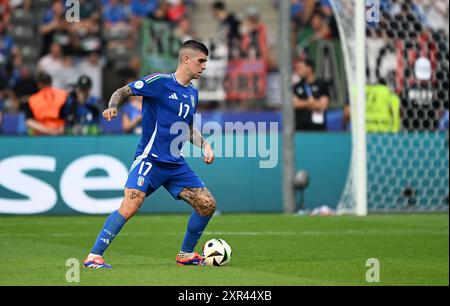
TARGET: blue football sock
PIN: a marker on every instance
(112, 227)
(195, 228)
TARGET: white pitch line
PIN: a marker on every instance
(253, 233)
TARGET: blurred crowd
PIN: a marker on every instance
(59, 75)
(68, 65)
(407, 53)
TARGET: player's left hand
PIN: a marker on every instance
(208, 154)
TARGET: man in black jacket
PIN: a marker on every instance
(311, 98)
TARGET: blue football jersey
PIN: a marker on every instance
(165, 104)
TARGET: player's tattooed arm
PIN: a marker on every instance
(200, 199)
(119, 96)
(197, 138)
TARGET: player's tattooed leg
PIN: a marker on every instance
(131, 203)
(200, 199)
(135, 194)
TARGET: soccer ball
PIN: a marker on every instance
(216, 252)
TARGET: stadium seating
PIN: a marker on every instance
(22, 33)
(21, 17)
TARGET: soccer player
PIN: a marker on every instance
(167, 99)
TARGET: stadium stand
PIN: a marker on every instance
(112, 30)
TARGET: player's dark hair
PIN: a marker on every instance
(219, 5)
(196, 46)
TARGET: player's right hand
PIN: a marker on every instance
(110, 113)
(208, 154)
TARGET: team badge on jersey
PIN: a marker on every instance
(193, 101)
(141, 181)
(139, 85)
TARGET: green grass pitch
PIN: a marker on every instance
(267, 250)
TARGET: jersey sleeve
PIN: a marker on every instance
(146, 87)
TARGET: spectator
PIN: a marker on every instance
(119, 25)
(228, 28)
(52, 62)
(45, 111)
(321, 27)
(5, 10)
(382, 109)
(254, 36)
(160, 14)
(89, 18)
(82, 109)
(84, 35)
(143, 8)
(139, 9)
(89, 10)
(131, 116)
(53, 24)
(24, 88)
(6, 44)
(434, 14)
(183, 30)
(92, 67)
(311, 98)
(301, 11)
(327, 11)
(67, 75)
(115, 14)
(296, 9)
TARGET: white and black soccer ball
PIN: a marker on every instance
(216, 252)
